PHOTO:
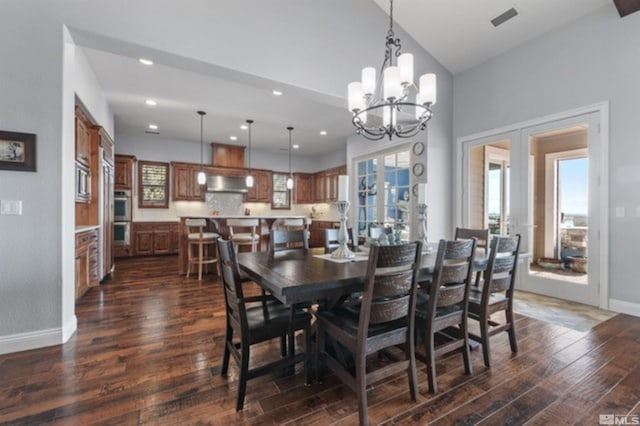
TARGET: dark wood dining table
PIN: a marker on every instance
(299, 276)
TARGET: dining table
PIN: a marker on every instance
(308, 276)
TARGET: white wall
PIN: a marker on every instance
(592, 60)
(88, 89)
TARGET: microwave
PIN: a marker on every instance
(83, 183)
(122, 206)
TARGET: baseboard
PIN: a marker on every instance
(624, 307)
(69, 328)
(30, 340)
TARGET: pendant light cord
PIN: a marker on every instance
(202, 114)
(290, 129)
(250, 122)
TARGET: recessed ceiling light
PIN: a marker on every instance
(323, 132)
(233, 138)
(296, 146)
(151, 102)
(144, 61)
(153, 126)
(244, 127)
(277, 93)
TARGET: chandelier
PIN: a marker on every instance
(390, 96)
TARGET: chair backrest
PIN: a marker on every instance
(377, 231)
(331, 239)
(390, 286)
(288, 240)
(452, 275)
(482, 235)
(198, 226)
(500, 274)
(251, 224)
(233, 295)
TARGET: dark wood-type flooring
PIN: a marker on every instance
(149, 346)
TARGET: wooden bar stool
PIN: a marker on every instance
(204, 241)
(244, 238)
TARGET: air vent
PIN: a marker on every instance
(501, 19)
(152, 132)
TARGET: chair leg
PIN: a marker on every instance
(200, 254)
(431, 361)
(512, 328)
(307, 355)
(466, 350)
(244, 373)
(361, 388)
(411, 369)
(484, 336)
(225, 358)
(318, 350)
(283, 346)
(189, 257)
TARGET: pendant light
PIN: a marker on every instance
(202, 177)
(290, 179)
(249, 180)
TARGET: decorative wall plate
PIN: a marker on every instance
(418, 148)
(414, 190)
(418, 169)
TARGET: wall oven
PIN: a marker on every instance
(122, 206)
(121, 233)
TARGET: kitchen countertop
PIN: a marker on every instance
(248, 217)
(84, 228)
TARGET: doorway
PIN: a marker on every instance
(543, 180)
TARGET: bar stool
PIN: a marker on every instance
(244, 238)
(198, 237)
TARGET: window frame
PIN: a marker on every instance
(275, 206)
(142, 204)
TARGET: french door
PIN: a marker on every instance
(542, 182)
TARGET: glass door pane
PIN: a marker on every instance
(367, 173)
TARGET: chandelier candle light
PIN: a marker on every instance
(390, 96)
(202, 177)
(343, 252)
(249, 179)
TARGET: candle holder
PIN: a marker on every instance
(422, 227)
(343, 252)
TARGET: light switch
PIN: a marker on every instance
(11, 207)
(619, 211)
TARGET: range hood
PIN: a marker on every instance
(226, 184)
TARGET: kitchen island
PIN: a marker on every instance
(219, 224)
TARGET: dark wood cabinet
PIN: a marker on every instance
(325, 184)
(318, 181)
(123, 176)
(83, 138)
(303, 188)
(185, 182)
(87, 273)
(224, 155)
(261, 190)
(151, 238)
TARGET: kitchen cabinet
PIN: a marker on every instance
(325, 184)
(302, 188)
(83, 138)
(316, 232)
(87, 274)
(224, 155)
(123, 177)
(152, 238)
(185, 182)
(318, 181)
(261, 190)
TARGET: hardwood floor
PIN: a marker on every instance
(149, 345)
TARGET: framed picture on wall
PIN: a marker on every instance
(17, 151)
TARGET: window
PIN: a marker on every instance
(384, 193)
(281, 198)
(153, 185)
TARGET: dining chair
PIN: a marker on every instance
(288, 240)
(496, 294)
(482, 235)
(256, 319)
(248, 236)
(383, 319)
(203, 241)
(331, 239)
(442, 307)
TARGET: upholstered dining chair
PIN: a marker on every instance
(442, 307)
(252, 320)
(383, 319)
(203, 241)
(495, 294)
